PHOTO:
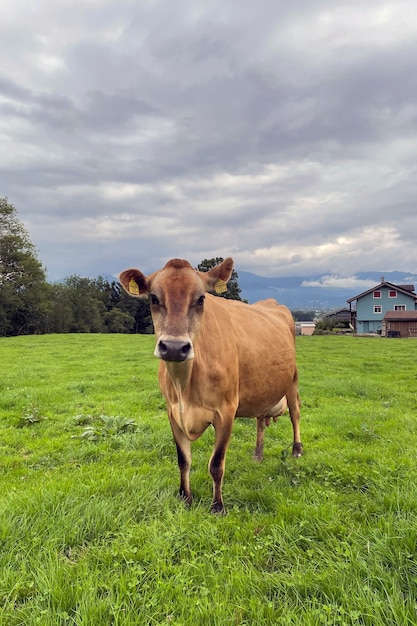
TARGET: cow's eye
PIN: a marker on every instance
(154, 299)
(200, 301)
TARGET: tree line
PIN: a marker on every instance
(29, 304)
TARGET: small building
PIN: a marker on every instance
(400, 324)
(305, 328)
(338, 315)
(373, 305)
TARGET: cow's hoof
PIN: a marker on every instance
(258, 457)
(187, 500)
(218, 508)
(297, 449)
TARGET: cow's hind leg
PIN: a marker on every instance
(294, 403)
(262, 422)
(258, 455)
(217, 465)
(184, 462)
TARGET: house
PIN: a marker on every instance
(374, 304)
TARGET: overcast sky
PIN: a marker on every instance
(280, 133)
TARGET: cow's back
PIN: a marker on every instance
(263, 337)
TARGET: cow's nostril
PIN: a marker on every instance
(185, 350)
(163, 349)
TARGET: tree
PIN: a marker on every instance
(118, 322)
(87, 306)
(61, 315)
(233, 290)
(137, 308)
(23, 287)
(327, 326)
(95, 305)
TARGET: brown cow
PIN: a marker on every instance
(220, 359)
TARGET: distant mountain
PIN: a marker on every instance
(319, 292)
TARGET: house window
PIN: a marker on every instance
(377, 294)
(400, 307)
(392, 293)
(377, 308)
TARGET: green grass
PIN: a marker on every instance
(91, 531)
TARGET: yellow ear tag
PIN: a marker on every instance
(133, 288)
(220, 286)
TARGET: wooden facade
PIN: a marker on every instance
(400, 324)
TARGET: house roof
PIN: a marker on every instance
(344, 309)
(403, 288)
(401, 316)
(406, 287)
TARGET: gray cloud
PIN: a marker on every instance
(283, 134)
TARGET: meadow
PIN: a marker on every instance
(92, 532)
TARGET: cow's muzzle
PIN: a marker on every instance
(174, 350)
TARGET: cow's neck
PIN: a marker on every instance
(180, 374)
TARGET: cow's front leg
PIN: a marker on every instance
(184, 462)
(217, 464)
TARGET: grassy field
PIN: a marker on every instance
(91, 531)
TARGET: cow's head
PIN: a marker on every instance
(176, 295)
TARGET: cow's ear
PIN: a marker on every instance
(134, 282)
(218, 276)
